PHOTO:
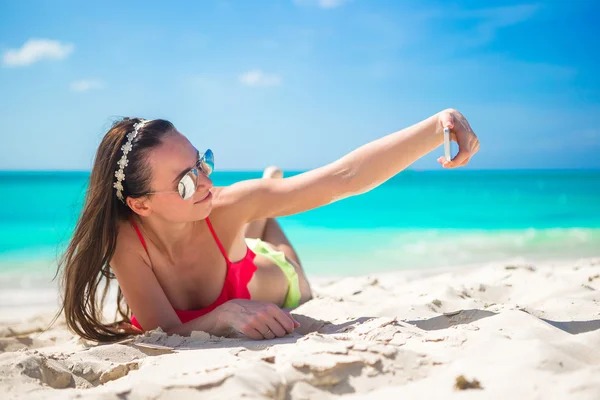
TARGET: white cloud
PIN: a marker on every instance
(331, 3)
(85, 85)
(489, 21)
(426, 26)
(256, 77)
(322, 3)
(35, 50)
(503, 16)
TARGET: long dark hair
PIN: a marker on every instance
(84, 266)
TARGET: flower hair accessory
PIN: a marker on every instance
(120, 173)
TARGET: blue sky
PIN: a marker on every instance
(299, 83)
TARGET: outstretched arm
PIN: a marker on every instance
(357, 172)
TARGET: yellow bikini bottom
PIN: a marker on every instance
(292, 299)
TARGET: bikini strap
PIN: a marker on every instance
(139, 233)
(212, 230)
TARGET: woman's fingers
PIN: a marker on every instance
(274, 328)
(447, 120)
(260, 320)
(460, 159)
(472, 149)
(289, 314)
(286, 321)
(273, 322)
(468, 144)
(257, 334)
(258, 330)
(284, 318)
(268, 328)
(250, 331)
(267, 333)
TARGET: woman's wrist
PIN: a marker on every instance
(213, 322)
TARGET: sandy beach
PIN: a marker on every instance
(496, 331)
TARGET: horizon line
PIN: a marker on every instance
(10, 170)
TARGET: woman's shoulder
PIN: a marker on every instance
(223, 204)
(226, 215)
(129, 246)
(230, 202)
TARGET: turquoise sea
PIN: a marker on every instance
(418, 219)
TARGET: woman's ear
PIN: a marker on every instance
(140, 205)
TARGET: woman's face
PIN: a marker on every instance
(169, 163)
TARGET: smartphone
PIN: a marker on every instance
(447, 144)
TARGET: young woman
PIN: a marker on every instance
(189, 256)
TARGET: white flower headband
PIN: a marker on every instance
(120, 174)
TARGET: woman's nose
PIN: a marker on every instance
(204, 182)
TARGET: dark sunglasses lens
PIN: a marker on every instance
(186, 187)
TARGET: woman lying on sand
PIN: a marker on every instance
(188, 256)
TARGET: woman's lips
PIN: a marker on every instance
(208, 196)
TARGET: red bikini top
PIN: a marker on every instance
(239, 273)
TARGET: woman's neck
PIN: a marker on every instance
(170, 238)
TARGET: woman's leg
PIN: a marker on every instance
(274, 235)
(269, 230)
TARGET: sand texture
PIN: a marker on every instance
(495, 331)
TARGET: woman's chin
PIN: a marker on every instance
(203, 211)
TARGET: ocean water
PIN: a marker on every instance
(418, 219)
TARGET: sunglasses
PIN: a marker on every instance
(189, 182)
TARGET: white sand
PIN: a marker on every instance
(522, 332)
